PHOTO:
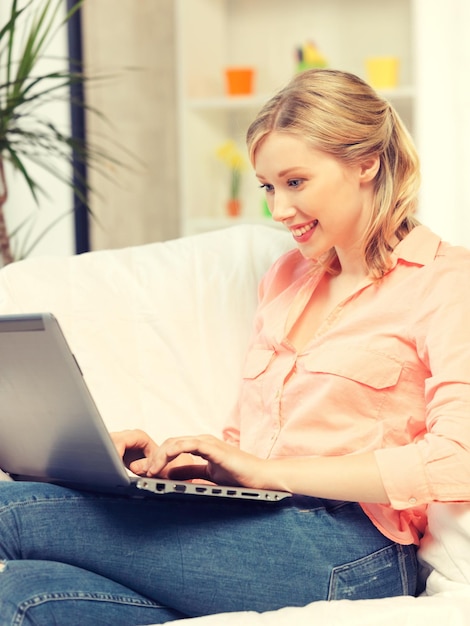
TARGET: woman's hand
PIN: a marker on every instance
(221, 463)
(137, 448)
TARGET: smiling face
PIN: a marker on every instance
(322, 201)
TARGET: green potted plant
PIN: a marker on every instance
(229, 154)
(27, 135)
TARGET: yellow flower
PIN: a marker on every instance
(229, 153)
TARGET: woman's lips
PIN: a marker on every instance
(302, 233)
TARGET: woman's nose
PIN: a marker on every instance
(281, 208)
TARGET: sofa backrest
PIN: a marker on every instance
(159, 330)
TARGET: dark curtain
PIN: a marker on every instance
(78, 131)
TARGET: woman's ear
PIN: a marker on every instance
(369, 168)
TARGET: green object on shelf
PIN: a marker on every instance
(309, 57)
(305, 65)
(265, 209)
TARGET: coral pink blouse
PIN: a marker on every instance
(388, 371)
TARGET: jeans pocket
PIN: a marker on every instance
(391, 571)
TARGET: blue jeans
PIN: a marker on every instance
(68, 557)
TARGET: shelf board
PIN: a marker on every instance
(407, 92)
(196, 225)
(227, 102)
(232, 103)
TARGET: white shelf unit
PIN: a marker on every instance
(212, 34)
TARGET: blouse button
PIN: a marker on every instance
(412, 501)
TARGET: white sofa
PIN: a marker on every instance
(160, 333)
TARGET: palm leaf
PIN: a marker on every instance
(18, 164)
(36, 40)
(26, 137)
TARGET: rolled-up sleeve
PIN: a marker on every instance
(437, 467)
(434, 469)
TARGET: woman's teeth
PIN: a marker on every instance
(298, 232)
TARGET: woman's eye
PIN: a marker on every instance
(268, 188)
(294, 182)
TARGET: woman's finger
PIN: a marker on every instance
(204, 446)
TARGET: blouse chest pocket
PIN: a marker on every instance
(374, 369)
(257, 362)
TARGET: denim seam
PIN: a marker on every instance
(49, 500)
(17, 506)
(402, 556)
(24, 607)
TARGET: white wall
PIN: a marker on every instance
(443, 115)
(60, 240)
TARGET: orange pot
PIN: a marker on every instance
(233, 207)
(239, 81)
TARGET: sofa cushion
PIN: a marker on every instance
(159, 330)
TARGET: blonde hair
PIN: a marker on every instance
(340, 114)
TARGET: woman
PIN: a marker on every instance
(355, 395)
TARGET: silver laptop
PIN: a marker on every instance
(51, 430)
